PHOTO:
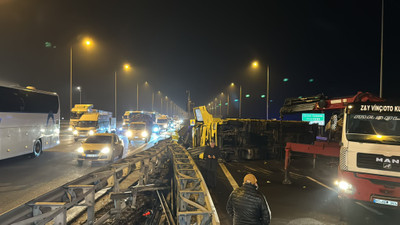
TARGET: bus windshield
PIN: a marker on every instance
(98, 139)
(87, 124)
(380, 128)
(138, 126)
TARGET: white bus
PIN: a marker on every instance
(29, 121)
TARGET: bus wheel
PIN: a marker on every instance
(80, 162)
(37, 149)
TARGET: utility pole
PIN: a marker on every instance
(381, 67)
(240, 101)
(70, 79)
(137, 96)
(188, 102)
(266, 113)
(115, 94)
(227, 108)
(152, 102)
(220, 107)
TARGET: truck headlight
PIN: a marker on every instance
(345, 187)
(165, 126)
(80, 150)
(145, 134)
(105, 150)
(70, 129)
(128, 134)
(75, 132)
(91, 132)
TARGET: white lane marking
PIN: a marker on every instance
(261, 170)
(229, 176)
(369, 208)
(322, 184)
(315, 181)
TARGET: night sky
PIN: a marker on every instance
(201, 46)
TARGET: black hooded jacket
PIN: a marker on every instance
(248, 206)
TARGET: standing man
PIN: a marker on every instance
(247, 205)
(211, 154)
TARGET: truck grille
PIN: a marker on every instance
(378, 162)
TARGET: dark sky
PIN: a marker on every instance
(201, 46)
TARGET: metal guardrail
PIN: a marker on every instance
(193, 203)
(53, 205)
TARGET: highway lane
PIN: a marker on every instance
(23, 179)
(304, 202)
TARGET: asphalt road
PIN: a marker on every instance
(304, 202)
(23, 179)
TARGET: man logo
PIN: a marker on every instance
(387, 166)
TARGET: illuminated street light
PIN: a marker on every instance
(255, 64)
(311, 80)
(262, 96)
(247, 96)
(285, 79)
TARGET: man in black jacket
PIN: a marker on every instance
(211, 154)
(247, 205)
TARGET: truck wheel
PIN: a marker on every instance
(37, 149)
(80, 162)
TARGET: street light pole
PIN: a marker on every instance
(115, 94)
(70, 78)
(267, 99)
(240, 101)
(152, 102)
(381, 67)
(137, 96)
(227, 109)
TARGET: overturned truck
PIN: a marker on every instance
(249, 138)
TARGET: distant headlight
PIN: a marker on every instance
(91, 132)
(165, 126)
(105, 150)
(123, 123)
(156, 129)
(69, 128)
(80, 150)
(128, 133)
(120, 129)
(75, 132)
(144, 134)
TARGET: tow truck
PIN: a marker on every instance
(365, 136)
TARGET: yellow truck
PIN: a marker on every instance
(77, 112)
(248, 138)
(95, 122)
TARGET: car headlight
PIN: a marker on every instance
(69, 128)
(144, 134)
(128, 133)
(80, 150)
(123, 123)
(165, 126)
(156, 129)
(91, 132)
(105, 150)
(75, 132)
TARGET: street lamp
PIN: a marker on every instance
(87, 42)
(80, 94)
(126, 67)
(255, 65)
